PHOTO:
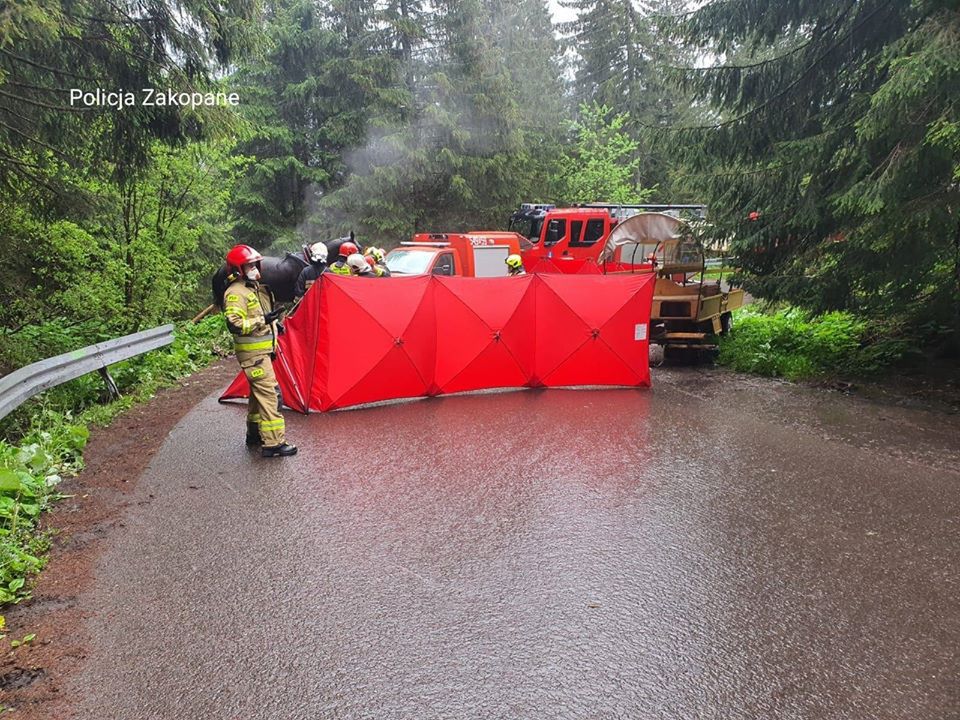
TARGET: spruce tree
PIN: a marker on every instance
(483, 132)
(834, 161)
(326, 77)
(623, 59)
(49, 49)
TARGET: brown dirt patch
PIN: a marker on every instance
(32, 678)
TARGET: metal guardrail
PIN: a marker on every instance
(22, 384)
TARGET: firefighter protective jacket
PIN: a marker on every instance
(340, 267)
(308, 276)
(245, 305)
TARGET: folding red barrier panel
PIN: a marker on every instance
(484, 332)
(377, 340)
(358, 340)
(593, 330)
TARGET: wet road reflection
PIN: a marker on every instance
(712, 548)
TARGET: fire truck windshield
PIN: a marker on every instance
(529, 227)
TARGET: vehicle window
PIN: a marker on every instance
(594, 231)
(576, 227)
(524, 226)
(556, 231)
(444, 264)
(535, 228)
(528, 227)
(409, 262)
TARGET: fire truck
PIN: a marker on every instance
(473, 254)
(580, 232)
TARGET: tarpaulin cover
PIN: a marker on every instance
(641, 235)
(358, 340)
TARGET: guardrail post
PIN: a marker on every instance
(111, 385)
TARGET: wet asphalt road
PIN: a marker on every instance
(716, 547)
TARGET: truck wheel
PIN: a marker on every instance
(726, 322)
(657, 355)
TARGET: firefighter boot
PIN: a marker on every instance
(282, 450)
(253, 434)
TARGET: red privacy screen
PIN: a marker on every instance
(359, 340)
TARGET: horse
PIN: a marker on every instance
(333, 246)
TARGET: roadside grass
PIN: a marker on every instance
(715, 273)
(43, 441)
(790, 343)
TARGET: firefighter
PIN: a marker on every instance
(379, 267)
(358, 265)
(515, 265)
(340, 267)
(251, 319)
(316, 254)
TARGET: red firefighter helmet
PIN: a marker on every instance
(240, 255)
(347, 249)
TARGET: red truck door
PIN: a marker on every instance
(576, 235)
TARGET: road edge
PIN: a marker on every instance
(33, 676)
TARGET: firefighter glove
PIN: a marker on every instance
(272, 316)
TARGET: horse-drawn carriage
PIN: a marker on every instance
(688, 309)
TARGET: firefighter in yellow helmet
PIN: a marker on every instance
(251, 319)
(515, 265)
(378, 265)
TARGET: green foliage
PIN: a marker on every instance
(50, 48)
(837, 122)
(603, 165)
(622, 60)
(789, 343)
(28, 475)
(141, 258)
(480, 131)
(25, 640)
(52, 432)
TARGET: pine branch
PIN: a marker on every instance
(792, 85)
(33, 140)
(39, 66)
(42, 104)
